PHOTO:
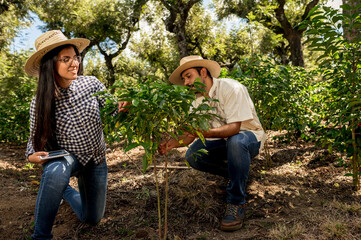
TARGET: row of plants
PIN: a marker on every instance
(337, 37)
(16, 91)
(281, 94)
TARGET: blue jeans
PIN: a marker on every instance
(237, 150)
(88, 203)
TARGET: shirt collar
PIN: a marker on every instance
(72, 87)
(212, 91)
(68, 90)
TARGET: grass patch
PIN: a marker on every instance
(282, 231)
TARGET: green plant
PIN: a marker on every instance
(341, 60)
(281, 94)
(16, 92)
(29, 166)
(158, 113)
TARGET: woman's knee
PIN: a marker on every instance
(55, 174)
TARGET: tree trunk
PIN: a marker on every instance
(282, 53)
(182, 37)
(291, 33)
(111, 72)
(176, 22)
(296, 48)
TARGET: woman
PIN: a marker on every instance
(64, 114)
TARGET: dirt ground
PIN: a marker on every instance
(301, 194)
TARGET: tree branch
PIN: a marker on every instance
(309, 6)
(190, 4)
(281, 16)
(101, 50)
(168, 6)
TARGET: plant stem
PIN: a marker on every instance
(267, 153)
(158, 199)
(170, 167)
(166, 195)
(355, 162)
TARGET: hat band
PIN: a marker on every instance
(38, 45)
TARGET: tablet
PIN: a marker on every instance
(56, 154)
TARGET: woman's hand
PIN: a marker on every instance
(35, 157)
(122, 106)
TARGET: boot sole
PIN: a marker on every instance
(231, 228)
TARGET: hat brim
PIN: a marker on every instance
(32, 65)
(213, 67)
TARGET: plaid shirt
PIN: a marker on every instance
(78, 124)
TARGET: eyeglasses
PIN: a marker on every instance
(68, 60)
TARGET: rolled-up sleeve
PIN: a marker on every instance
(30, 149)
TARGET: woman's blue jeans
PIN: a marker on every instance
(238, 150)
(88, 204)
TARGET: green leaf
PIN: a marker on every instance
(355, 102)
(204, 125)
(203, 150)
(135, 102)
(186, 162)
(131, 146)
(345, 7)
(201, 137)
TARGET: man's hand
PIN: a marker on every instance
(35, 157)
(162, 148)
(182, 141)
(165, 146)
(122, 106)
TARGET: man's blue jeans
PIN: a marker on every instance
(238, 150)
(88, 203)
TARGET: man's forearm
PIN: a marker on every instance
(183, 140)
(224, 131)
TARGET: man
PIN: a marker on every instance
(236, 137)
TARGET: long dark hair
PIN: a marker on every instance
(45, 124)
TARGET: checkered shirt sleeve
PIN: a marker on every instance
(79, 128)
(29, 148)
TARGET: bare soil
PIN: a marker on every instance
(302, 193)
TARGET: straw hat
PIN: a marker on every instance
(194, 61)
(47, 42)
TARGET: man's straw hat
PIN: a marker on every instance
(194, 61)
(47, 42)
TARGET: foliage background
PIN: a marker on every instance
(133, 40)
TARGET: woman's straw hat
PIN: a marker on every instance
(45, 43)
(194, 61)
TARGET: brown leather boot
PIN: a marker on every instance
(234, 217)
